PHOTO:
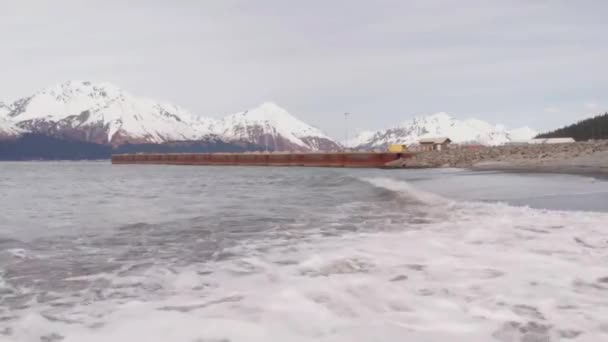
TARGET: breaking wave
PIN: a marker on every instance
(410, 265)
(406, 189)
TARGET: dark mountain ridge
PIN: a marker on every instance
(35, 146)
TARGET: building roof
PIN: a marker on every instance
(438, 140)
(551, 140)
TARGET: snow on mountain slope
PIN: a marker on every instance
(4, 109)
(103, 113)
(443, 125)
(522, 133)
(360, 138)
(7, 127)
(272, 126)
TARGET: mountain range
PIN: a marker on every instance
(471, 131)
(106, 115)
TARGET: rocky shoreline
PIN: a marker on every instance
(578, 158)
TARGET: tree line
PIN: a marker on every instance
(588, 129)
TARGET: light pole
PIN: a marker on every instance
(346, 130)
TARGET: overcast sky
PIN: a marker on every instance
(529, 62)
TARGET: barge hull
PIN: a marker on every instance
(355, 159)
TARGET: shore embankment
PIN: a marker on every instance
(589, 158)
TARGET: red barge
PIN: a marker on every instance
(334, 159)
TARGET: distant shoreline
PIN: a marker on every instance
(581, 158)
(577, 170)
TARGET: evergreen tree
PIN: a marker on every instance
(593, 128)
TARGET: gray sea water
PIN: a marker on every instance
(95, 252)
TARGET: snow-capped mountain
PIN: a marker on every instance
(4, 109)
(105, 114)
(442, 125)
(8, 128)
(522, 133)
(273, 127)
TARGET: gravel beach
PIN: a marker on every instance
(588, 158)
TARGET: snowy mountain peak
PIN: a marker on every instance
(270, 122)
(272, 116)
(266, 112)
(440, 116)
(442, 124)
(65, 99)
(104, 113)
(270, 108)
(101, 113)
(69, 90)
(437, 119)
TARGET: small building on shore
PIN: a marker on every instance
(434, 144)
(552, 141)
(542, 141)
(517, 143)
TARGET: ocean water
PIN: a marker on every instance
(95, 252)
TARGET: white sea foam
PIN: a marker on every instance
(483, 272)
(408, 190)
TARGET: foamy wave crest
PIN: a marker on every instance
(406, 189)
(464, 271)
(488, 272)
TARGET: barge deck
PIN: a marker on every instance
(333, 159)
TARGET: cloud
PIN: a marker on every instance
(383, 61)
